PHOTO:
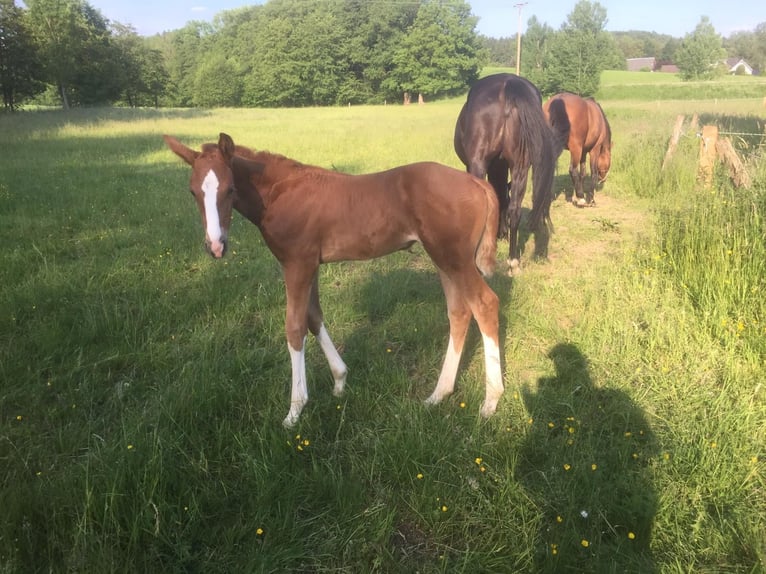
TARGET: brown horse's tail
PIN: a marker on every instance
(540, 148)
(486, 250)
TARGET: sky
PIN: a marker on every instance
(497, 18)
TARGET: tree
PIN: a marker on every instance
(700, 53)
(20, 68)
(580, 51)
(440, 55)
(213, 85)
(535, 45)
(76, 50)
(751, 46)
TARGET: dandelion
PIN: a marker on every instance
(666, 455)
(530, 420)
(713, 444)
(478, 460)
(259, 531)
(554, 549)
(594, 466)
(571, 430)
(631, 535)
(567, 466)
(306, 442)
(635, 456)
(482, 468)
(551, 425)
(444, 508)
(130, 447)
(19, 417)
(584, 543)
(462, 405)
(419, 476)
(754, 459)
(628, 434)
(559, 519)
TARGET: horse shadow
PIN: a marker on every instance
(541, 237)
(586, 465)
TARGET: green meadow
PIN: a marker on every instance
(143, 384)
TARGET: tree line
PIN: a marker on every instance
(297, 53)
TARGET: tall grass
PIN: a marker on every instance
(143, 383)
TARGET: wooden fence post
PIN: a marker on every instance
(673, 140)
(707, 155)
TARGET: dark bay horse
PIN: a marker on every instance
(582, 124)
(500, 130)
(309, 215)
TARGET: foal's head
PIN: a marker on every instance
(212, 185)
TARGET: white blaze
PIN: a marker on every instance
(210, 198)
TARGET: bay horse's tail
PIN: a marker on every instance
(538, 141)
(486, 250)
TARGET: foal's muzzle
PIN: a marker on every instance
(217, 248)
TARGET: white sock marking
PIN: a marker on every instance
(299, 394)
(337, 366)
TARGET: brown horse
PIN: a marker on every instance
(500, 130)
(582, 124)
(309, 215)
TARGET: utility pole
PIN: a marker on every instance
(520, 5)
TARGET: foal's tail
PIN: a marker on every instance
(486, 250)
(538, 141)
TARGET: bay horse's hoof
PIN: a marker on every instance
(580, 202)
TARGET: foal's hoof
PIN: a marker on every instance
(488, 409)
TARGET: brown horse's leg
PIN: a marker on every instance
(298, 284)
(593, 161)
(517, 191)
(576, 171)
(318, 329)
(459, 318)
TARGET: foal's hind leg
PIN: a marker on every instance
(316, 326)
(485, 306)
(459, 319)
(467, 294)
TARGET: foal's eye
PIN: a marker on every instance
(230, 191)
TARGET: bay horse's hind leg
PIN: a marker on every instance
(517, 191)
(318, 329)
(497, 175)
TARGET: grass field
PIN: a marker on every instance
(143, 384)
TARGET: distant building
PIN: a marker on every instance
(669, 69)
(738, 66)
(641, 64)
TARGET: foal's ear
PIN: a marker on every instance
(185, 153)
(226, 146)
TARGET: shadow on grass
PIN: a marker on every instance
(586, 465)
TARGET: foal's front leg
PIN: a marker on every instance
(318, 329)
(298, 287)
(304, 312)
